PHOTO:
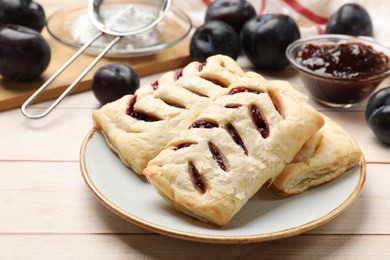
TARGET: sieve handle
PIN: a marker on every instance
(74, 83)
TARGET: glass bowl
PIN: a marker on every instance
(174, 27)
(329, 90)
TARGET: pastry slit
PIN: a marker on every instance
(276, 102)
(173, 103)
(215, 81)
(236, 137)
(201, 66)
(204, 123)
(154, 85)
(178, 74)
(241, 89)
(259, 121)
(196, 92)
(218, 156)
(196, 178)
(140, 115)
(183, 145)
(232, 105)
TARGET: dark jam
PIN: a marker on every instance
(351, 60)
(343, 74)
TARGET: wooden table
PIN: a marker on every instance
(48, 212)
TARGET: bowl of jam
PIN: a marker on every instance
(339, 70)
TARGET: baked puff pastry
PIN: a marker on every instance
(209, 136)
(241, 140)
(327, 155)
(137, 127)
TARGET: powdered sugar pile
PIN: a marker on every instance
(123, 19)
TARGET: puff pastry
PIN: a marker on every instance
(327, 155)
(138, 127)
(209, 136)
(234, 145)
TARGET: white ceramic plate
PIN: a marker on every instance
(174, 27)
(266, 216)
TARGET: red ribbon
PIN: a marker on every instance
(296, 5)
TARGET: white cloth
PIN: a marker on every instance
(307, 13)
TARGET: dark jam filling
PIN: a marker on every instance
(196, 178)
(201, 123)
(154, 85)
(201, 66)
(178, 74)
(236, 137)
(218, 156)
(215, 81)
(259, 121)
(233, 105)
(352, 60)
(183, 145)
(138, 114)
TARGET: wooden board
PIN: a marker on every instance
(14, 94)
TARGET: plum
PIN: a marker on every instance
(214, 37)
(233, 12)
(378, 114)
(24, 53)
(379, 122)
(22, 12)
(350, 19)
(264, 40)
(378, 99)
(112, 81)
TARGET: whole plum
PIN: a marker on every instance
(214, 37)
(378, 99)
(112, 81)
(378, 114)
(24, 53)
(350, 19)
(264, 40)
(22, 12)
(233, 12)
(380, 124)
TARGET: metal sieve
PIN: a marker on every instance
(95, 8)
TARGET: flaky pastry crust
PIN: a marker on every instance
(327, 155)
(224, 181)
(171, 99)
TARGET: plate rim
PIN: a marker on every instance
(139, 52)
(218, 239)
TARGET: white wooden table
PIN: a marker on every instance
(48, 212)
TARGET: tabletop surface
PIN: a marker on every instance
(48, 212)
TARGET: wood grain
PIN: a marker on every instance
(47, 211)
(14, 94)
(150, 246)
(51, 197)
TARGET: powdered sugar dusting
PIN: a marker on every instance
(123, 19)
